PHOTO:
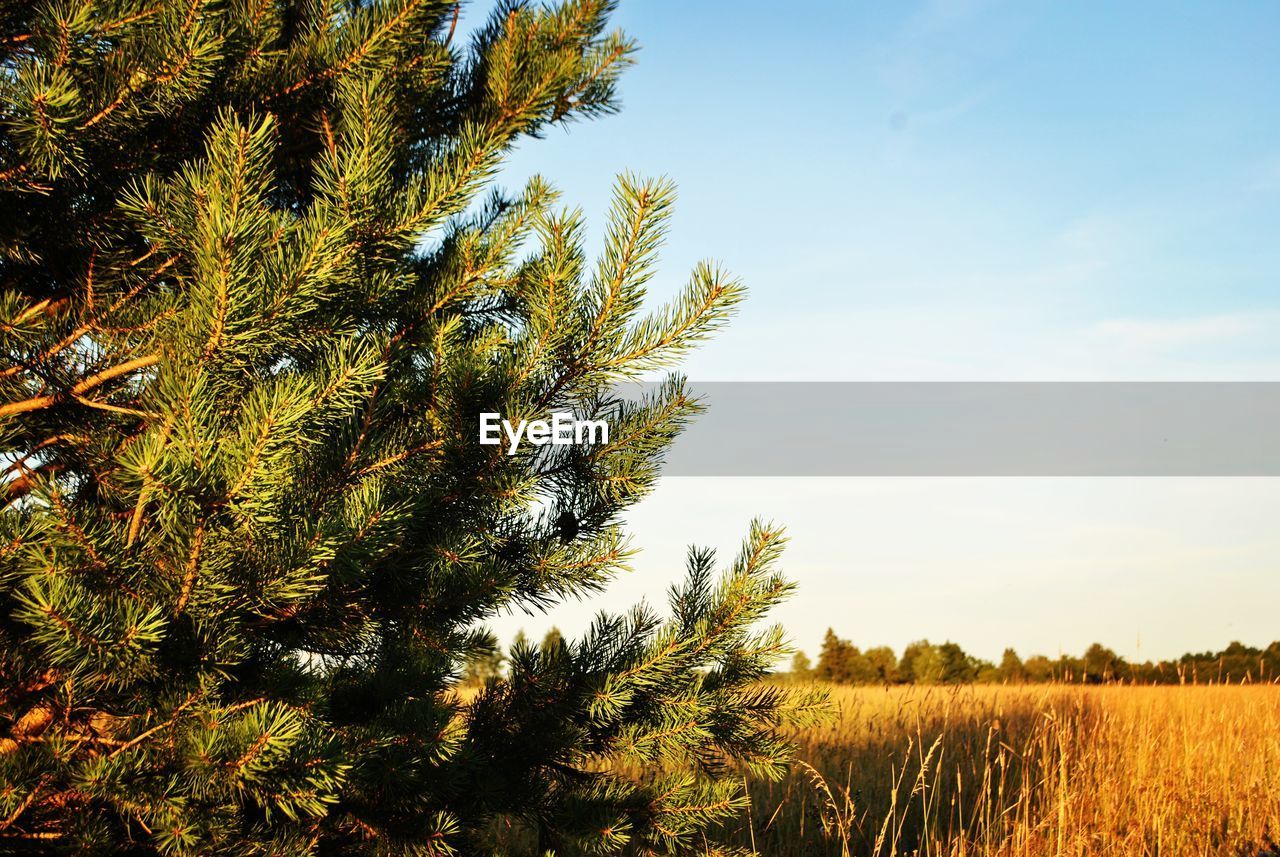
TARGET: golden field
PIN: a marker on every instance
(1030, 770)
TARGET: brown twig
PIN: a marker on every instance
(96, 380)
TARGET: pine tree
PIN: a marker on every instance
(253, 299)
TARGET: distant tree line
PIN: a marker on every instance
(923, 662)
(486, 660)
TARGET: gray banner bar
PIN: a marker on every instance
(982, 429)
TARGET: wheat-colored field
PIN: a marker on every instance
(1031, 770)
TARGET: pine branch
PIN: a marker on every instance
(81, 387)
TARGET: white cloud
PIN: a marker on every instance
(1031, 341)
(1144, 334)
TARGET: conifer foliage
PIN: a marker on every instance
(254, 292)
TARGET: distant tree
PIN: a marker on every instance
(1236, 663)
(1269, 663)
(985, 672)
(928, 666)
(861, 670)
(957, 666)
(906, 664)
(801, 667)
(1101, 664)
(883, 663)
(519, 642)
(1012, 669)
(836, 659)
(1236, 648)
(483, 660)
(553, 640)
(1039, 669)
(921, 663)
(1150, 673)
(1068, 669)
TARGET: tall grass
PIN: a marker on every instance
(1037, 770)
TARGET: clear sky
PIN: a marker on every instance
(967, 190)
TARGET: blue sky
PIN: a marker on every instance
(967, 190)
(1098, 185)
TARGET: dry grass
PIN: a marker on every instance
(1047, 770)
